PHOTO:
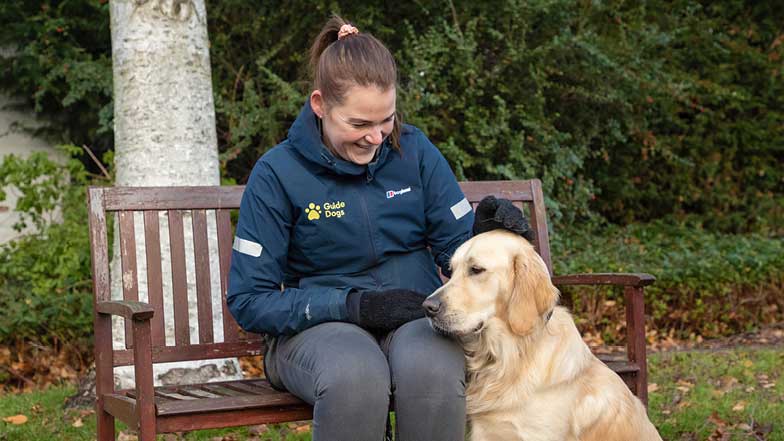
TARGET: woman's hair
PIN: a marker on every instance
(359, 58)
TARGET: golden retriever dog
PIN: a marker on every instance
(530, 375)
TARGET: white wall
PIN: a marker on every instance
(20, 144)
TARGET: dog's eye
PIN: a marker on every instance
(474, 270)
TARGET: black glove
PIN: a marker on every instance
(493, 214)
(384, 310)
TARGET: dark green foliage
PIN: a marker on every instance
(709, 136)
(626, 110)
(55, 58)
(45, 284)
(707, 284)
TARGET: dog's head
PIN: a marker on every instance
(498, 279)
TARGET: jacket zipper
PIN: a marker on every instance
(373, 252)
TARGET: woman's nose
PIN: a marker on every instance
(374, 136)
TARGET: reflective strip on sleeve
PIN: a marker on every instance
(247, 247)
(461, 208)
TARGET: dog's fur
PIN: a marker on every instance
(530, 375)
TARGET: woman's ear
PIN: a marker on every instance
(317, 103)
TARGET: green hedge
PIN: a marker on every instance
(707, 284)
(628, 111)
(45, 282)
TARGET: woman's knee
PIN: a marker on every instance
(360, 379)
(422, 362)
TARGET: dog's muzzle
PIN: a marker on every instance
(432, 306)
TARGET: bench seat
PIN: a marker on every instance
(195, 406)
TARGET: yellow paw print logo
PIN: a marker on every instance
(313, 211)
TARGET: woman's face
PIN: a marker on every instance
(355, 129)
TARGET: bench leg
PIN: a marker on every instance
(635, 343)
(142, 358)
(105, 429)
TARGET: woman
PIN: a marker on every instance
(340, 230)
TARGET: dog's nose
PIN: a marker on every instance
(432, 306)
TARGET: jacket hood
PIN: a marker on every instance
(305, 137)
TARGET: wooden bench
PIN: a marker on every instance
(152, 410)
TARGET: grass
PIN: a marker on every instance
(723, 395)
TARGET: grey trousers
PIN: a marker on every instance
(349, 375)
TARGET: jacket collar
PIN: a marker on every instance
(305, 136)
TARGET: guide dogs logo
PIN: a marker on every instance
(331, 209)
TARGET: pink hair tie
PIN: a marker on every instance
(347, 30)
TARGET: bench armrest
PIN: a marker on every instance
(130, 310)
(622, 279)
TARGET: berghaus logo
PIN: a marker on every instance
(393, 193)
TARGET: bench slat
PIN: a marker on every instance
(161, 354)
(232, 418)
(202, 266)
(173, 396)
(196, 392)
(222, 391)
(152, 240)
(244, 387)
(179, 281)
(228, 403)
(475, 191)
(172, 198)
(223, 220)
(130, 286)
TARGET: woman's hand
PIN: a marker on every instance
(384, 310)
(493, 214)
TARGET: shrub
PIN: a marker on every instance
(707, 284)
(45, 283)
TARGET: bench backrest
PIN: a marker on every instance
(200, 204)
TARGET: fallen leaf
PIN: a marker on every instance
(16, 419)
(653, 387)
(258, 430)
(77, 423)
(124, 436)
(302, 429)
(748, 363)
(740, 405)
(716, 419)
(685, 383)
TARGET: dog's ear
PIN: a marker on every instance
(533, 294)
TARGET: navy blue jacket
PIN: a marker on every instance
(313, 226)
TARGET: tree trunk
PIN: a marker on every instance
(164, 128)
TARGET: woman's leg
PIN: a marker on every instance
(428, 383)
(340, 369)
